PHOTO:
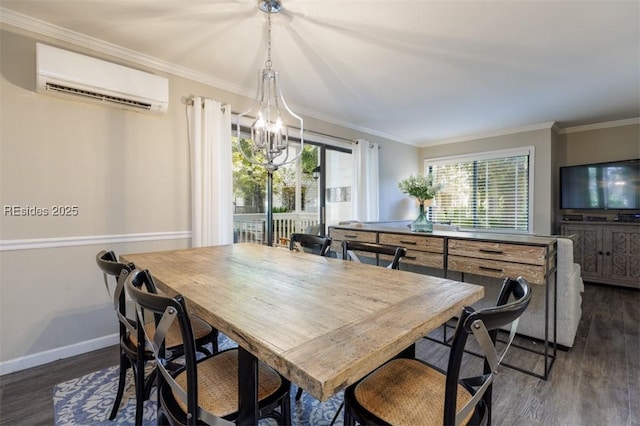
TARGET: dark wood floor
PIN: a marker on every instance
(597, 382)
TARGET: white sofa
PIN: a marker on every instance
(570, 289)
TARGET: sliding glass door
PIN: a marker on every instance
(308, 194)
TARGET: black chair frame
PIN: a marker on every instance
(318, 244)
(131, 355)
(350, 247)
(165, 310)
(484, 325)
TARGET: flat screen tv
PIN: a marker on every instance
(601, 186)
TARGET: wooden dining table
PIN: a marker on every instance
(323, 323)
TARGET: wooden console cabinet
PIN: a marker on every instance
(484, 254)
(608, 253)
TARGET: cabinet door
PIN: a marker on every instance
(587, 251)
(622, 255)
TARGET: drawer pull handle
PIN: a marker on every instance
(486, 268)
(491, 251)
(351, 236)
(413, 243)
(410, 257)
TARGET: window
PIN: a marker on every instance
(484, 191)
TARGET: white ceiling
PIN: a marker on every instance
(420, 72)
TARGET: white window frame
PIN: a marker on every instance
(490, 155)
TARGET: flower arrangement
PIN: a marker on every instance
(419, 187)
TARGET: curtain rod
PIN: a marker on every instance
(189, 101)
(307, 131)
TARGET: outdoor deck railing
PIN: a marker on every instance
(252, 227)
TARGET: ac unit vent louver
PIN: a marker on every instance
(97, 96)
(63, 73)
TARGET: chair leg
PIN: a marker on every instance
(335, 417)
(285, 410)
(489, 402)
(140, 389)
(214, 343)
(298, 394)
(124, 365)
(348, 418)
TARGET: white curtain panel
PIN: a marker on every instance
(365, 187)
(211, 174)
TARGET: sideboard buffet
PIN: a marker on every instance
(457, 254)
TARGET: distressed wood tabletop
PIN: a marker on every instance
(321, 322)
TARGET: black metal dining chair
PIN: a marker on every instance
(412, 392)
(310, 243)
(350, 250)
(130, 357)
(203, 391)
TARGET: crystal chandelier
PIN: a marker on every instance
(269, 146)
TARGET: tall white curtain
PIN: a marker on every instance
(365, 188)
(211, 173)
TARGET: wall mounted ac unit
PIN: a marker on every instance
(63, 73)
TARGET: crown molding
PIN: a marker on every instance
(604, 125)
(28, 23)
(320, 116)
(541, 126)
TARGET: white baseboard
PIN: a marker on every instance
(46, 357)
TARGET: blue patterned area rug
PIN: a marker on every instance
(87, 400)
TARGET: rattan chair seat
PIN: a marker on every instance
(407, 392)
(218, 383)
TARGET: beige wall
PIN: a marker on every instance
(600, 145)
(595, 146)
(128, 174)
(541, 140)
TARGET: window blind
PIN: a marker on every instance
(483, 191)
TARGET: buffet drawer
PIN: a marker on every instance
(414, 242)
(498, 251)
(347, 234)
(495, 268)
(340, 235)
(423, 258)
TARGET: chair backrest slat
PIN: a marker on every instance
(315, 243)
(349, 249)
(108, 263)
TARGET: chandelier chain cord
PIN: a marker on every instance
(268, 63)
